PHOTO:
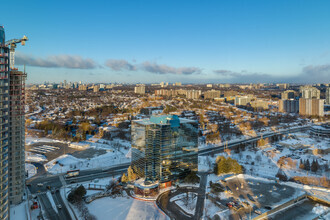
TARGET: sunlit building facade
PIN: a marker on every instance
(164, 147)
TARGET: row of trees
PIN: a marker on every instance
(132, 174)
(305, 165)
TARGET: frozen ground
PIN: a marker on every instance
(18, 212)
(33, 157)
(31, 140)
(259, 193)
(107, 153)
(186, 201)
(264, 160)
(122, 208)
(30, 169)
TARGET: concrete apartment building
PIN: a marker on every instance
(288, 94)
(242, 100)
(212, 94)
(193, 94)
(309, 92)
(140, 89)
(288, 106)
(327, 96)
(311, 107)
(4, 125)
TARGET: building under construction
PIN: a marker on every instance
(16, 136)
(12, 127)
(4, 120)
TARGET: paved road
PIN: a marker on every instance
(40, 169)
(85, 175)
(220, 147)
(201, 196)
(63, 212)
(47, 207)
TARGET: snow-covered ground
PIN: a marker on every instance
(30, 169)
(186, 201)
(33, 157)
(116, 153)
(51, 200)
(31, 140)
(122, 208)
(19, 212)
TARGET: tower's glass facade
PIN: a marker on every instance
(164, 147)
(4, 109)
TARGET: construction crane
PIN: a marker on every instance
(12, 45)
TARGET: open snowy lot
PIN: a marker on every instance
(261, 194)
(122, 208)
(100, 154)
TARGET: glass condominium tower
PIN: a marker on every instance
(4, 111)
(164, 147)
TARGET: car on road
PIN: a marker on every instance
(40, 185)
(59, 206)
(48, 187)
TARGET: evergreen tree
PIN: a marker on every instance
(314, 166)
(307, 165)
(301, 165)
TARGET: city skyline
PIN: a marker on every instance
(190, 42)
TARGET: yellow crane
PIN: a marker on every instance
(12, 45)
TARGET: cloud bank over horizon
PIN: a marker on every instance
(308, 74)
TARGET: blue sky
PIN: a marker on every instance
(188, 41)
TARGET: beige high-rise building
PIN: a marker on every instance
(288, 94)
(311, 107)
(327, 96)
(288, 106)
(140, 89)
(309, 92)
(212, 94)
(193, 94)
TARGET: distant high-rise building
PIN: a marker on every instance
(288, 105)
(212, 94)
(140, 89)
(282, 85)
(242, 100)
(327, 96)
(82, 87)
(309, 92)
(96, 88)
(193, 94)
(311, 107)
(288, 94)
(4, 125)
(164, 148)
(16, 136)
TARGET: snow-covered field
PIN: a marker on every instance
(116, 153)
(30, 169)
(186, 201)
(122, 208)
(33, 157)
(260, 192)
(31, 140)
(19, 212)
